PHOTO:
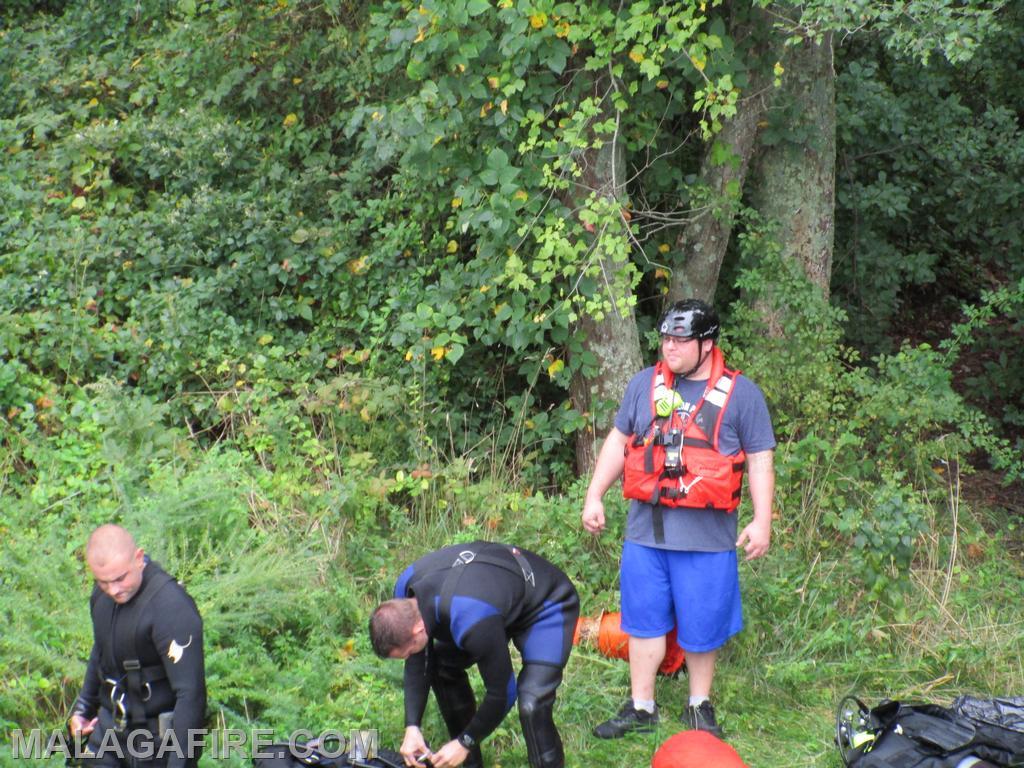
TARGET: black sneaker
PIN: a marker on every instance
(702, 718)
(629, 719)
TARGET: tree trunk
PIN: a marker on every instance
(704, 240)
(793, 179)
(612, 339)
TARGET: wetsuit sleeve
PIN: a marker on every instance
(487, 642)
(88, 701)
(416, 688)
(178, 637)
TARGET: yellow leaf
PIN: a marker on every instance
(660, 274)
(521, 195)
(461, 68)
(348, 650)
(375, 116)
(358, 266)
(663, 248)
(437, 352)
(699, 63)
(364, 414)
(452, 246)
(265, 339)
(290, 120)
(78, 203)
(421, 35)
(562, 30)
(408, 356)
(500, 307)
(778, 69)
(296, 80)
(555, 367)
(147, 343)
(94, 102)
(538, 20)
(456, 202)
(504, 106)
(127, 264)
(636, 55)
(486, 108)
(661, 85)
(493, 82)
(240, 383)
(484, 288)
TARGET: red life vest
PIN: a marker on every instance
(700, 477)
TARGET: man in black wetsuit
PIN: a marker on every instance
(460, 606)
(143, 702)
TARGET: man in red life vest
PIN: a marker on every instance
(686, 430)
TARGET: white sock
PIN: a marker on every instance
(643, 705)
(696, 701)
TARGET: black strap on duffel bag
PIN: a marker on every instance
(898, 735)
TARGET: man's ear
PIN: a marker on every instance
(419, 629)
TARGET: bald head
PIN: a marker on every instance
(116, 562)
(108, 542)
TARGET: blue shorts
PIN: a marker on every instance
(696, 592)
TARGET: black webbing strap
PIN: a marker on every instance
(137, 678)
(489, 555)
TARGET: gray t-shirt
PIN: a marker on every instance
(746, 425)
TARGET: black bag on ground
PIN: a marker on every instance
(896, 735)
(287, 755)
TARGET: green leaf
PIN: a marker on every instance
(497, 159)
(455, 353)
(475, 8)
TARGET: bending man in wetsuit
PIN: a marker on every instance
(460, 606)
(143, 702)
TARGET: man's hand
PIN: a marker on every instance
(450, 755)
(413, 747)
(80, 726)
(755, 538)
(593, 515)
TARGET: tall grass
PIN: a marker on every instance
(286, 565)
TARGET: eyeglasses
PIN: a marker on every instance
(677, 340)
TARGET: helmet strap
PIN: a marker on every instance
(700, 362)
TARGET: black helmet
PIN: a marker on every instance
(690, 319)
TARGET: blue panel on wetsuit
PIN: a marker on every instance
(403, 582)
(511, 692)
(465, 613)
(546, 638)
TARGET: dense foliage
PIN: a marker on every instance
(293, 289)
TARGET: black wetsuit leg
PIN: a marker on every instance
(537, 685)
(454, 694)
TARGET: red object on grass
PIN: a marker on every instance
(696, 749)
(605, 631)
